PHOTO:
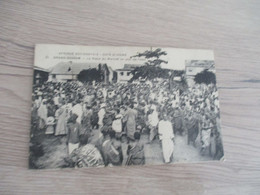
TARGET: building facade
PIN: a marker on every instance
(69, 71)
(124, 74)
(40, 75)
(193, 67)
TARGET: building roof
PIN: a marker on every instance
(40, 69)
(194, 67)
(72, 68)
(124, 69)
(129, 67)
(132, 66)
(200, 63)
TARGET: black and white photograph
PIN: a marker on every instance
(95, 106)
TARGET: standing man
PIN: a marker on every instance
(78, 110)
(101, 115)
(42, 114)
(192, 125)
(73, 133)
(153, 122)
(205, 135)
(166, 136)
(86, 127)
(130, 117)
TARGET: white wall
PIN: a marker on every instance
(62, 78)
(124, 77)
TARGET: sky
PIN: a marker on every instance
(47, 55)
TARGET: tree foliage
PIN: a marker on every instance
(152, 70)
(206, 77)
(149, 73)
(90, 75)
(149, 54)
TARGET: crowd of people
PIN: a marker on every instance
(124, 112)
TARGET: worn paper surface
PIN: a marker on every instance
(96, 106)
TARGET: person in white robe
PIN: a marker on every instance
(166, 136)
(101, 115)
(78, 110)
(61, 116)
(117, 124)
(42, 114)
(38, 101)
(153, 122)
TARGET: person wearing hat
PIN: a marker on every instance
(73, 133)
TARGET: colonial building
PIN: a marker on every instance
(193, 67)
(40, 75)
(124, 74)
(69, 71)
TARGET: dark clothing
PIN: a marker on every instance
(193, 129)
(178, 122)
(73, 133)
(112, 153)
(135, 155)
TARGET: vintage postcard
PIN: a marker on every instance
(96, 106)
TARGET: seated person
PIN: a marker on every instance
(135, 151)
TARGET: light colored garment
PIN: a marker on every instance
(153, 122)
(153, 119)
(61, 117)
(38, 102)
(130, 117)
(168, 148)
(101, 115)
(72, 147)
(42, 114)
(50, 123)
(69, 108)
(117, 124)
(104, 92)
(56, 100)
(205, 137)
(165, 131)
(78, 110)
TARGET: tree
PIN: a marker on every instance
(206, 77)
(89, 75)
(152, 68)
(152, 54)
(149, 73)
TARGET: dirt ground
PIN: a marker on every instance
(49, 151)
